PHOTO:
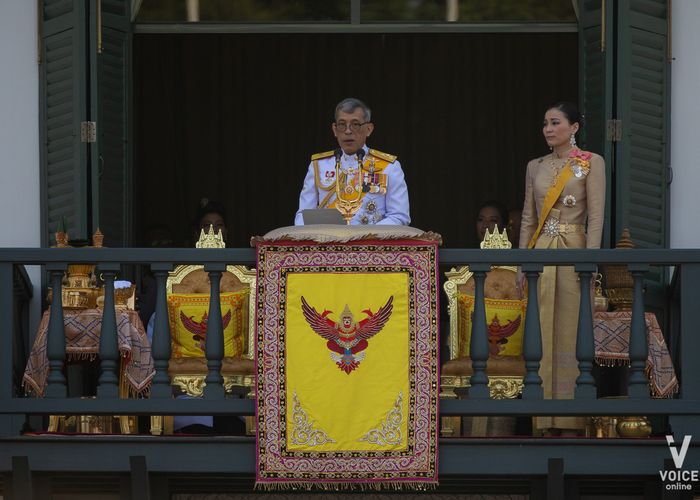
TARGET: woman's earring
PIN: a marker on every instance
(572, 140)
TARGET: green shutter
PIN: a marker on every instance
(596, 51)
(63, 108)
(641, 185)
(110, 155)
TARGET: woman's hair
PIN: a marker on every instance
(205, 207)
(500, 207)
(569, 110)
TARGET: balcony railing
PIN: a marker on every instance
(470, 457)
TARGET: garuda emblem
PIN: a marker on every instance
(498, 334)
(347, 339)
(198, 329)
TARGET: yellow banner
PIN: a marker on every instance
(347, 359)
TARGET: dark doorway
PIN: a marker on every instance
(235, 117)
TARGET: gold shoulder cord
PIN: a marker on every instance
(317, 179)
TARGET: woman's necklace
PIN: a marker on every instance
(556, 167)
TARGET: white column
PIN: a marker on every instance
(20, 219)
(685, 120)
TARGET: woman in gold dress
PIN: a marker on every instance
(564, 207)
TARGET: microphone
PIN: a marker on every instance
(360, 154)
(338, 153)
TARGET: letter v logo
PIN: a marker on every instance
(678, 458)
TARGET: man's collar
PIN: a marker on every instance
(347, 157)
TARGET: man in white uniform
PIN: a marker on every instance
(373, 176)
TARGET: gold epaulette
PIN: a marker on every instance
(318, 156)
(383, 156)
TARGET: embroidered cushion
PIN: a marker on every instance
(188, 323)
(505, 323)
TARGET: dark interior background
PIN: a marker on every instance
(235, 117)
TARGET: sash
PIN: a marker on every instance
(551, 198)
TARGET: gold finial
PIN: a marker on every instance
(619, 281)
(625, 240)
(211, 239)
(496, 240)
(98, 238)
(61, 239)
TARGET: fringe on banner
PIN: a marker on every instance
(609, 362)
(346, 487)
(81, 356)
(659, 392)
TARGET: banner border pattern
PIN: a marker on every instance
(417, 464)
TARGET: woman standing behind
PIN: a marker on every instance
(564, 206)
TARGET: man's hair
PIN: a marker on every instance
(350, 104)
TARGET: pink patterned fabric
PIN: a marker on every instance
(82, 333)
(611, 331)
(414, 467)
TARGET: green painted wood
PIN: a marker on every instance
(63, 80)
(532, 342)
(7, 384)
(479, 344)
(585, 351)
(21, 478)
(214, 388)
(109, 156)
(596, 72)
(139, 480)
(642, 156)
(56, 343)
(161, 346)
(108, 383)
(638, 384)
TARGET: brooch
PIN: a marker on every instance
(569, 200)
(551, 227)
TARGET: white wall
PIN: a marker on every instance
(19, 131)
(685, 125)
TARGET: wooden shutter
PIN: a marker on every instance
(110, 155)
(641, 179)
(85, 60)
(64, 180)
(596, 50)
